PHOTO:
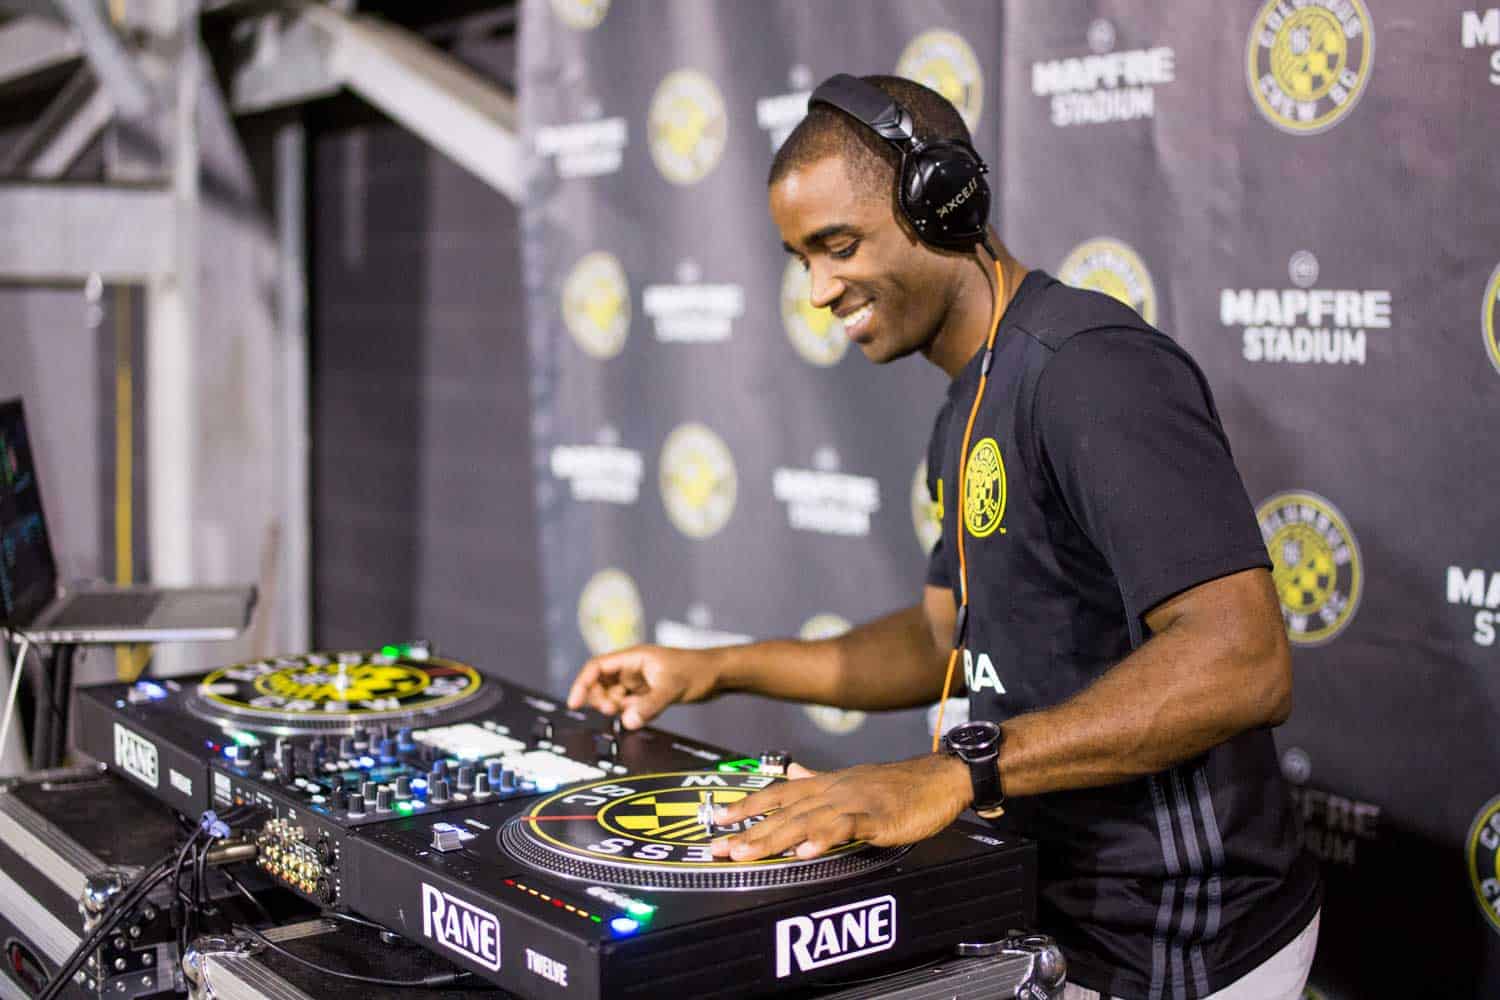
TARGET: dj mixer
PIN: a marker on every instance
(543, 849)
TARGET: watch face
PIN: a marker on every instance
(973, 736)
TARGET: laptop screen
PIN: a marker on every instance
(28, 574)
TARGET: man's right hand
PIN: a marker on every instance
(640, 682)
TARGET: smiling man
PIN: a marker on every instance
(1100, 577)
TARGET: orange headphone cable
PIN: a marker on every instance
(963, 461)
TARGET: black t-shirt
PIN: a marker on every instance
(1101, 484)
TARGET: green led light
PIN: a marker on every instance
(390, 650)
(403, 807)
(596, 918)
(742, 765)
(245, 739)
(639, 909)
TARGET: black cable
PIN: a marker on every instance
(234, 881)
(360, 921)
(106, 926)
(442, 979)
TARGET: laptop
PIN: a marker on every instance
(33, 604)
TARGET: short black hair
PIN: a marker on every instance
(870, 161)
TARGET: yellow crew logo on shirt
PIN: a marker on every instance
(1492, 319)
(610, 615)
(943, 61)
(984, 489)
(817, 334)
(1482, 852)
(581, 14)
(687, 126)
(1315, 565)
(698, 482)
(1110, 266)
(1307, 62)
(835, 721)
(596, 304)
(926, 512)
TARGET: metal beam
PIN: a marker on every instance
(462, 114)
(113, 64)
(60, 134)
(29, 45)
(66, 232)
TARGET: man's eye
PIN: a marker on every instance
(844, 253)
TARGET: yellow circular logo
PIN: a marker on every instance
(926, 513)
(1315, 564)
(687, 126)
(1110, 266)
(596, 304)
(698, 482)
(1482, 852)
(1492, 319)
(834, 721)
(334, 682)
(1307, 63)
(817, 334)
(581, 14)
(945, 62)
(984, 489)
(610, 615)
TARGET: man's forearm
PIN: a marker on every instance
(888, 663)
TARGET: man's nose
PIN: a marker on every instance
(826, 288)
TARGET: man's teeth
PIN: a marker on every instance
(859, 315)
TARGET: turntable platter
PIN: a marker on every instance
(644, 831)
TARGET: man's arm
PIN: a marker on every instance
(893, 662)
(1217, 664)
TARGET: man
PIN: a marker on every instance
(1099, 567)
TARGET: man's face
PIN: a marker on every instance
(888, 288)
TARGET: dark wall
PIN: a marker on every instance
(422, 508)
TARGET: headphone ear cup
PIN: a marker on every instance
(945, 196)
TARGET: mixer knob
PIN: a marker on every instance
(482, 786)
(403, 738)
(286, 761)
(318, 747)
(257, 760)
(361, 740)
(541, 729)
(403, 788)
(356, 804)
(368, 790)
(493, 770)
(384, 799)
(346, 746)
(388, 750)
(437, 792)
(465, 778)
(606, 746)
(242, 755)
(339, 796)
(507, 780)
(439, 770)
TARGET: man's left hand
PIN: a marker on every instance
(882, 804)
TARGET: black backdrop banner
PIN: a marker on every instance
(1302, 192)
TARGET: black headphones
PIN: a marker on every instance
(940, 186)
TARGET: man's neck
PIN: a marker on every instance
(974, 308)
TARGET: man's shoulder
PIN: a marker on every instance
(1056, 314)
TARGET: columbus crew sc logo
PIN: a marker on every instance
(1482, 852)
(596, 304)
(837, 721)
(1492, 319)
(984, 489)
(944, 62)
(1308, 62)
(698, 481)
(581, 14)
(926, 513)
(687, 126)
(816, 333)
(610, 615)
(1315, 564)
(1107, 265)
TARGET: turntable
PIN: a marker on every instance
(609, 888)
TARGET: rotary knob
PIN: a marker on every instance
(482, 786)
(493, 770)
(286, 761)
(388, 751)
(606, 747)
(439, 770)
(437, 792)
(507, 780)
(356, 805)
(403, 788)
(541, 729)
(465, 778)
(369, 790)
(242, 755)
(346, 746)
(385, 799)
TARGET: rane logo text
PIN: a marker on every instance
(136, 756)
(835, 935)
(460, 927)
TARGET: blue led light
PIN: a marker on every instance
(229, 752)
(151, 690)
(624, 926)
(367, 762)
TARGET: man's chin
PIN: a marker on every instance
(882, 353)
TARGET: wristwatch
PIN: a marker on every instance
(977, 744)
